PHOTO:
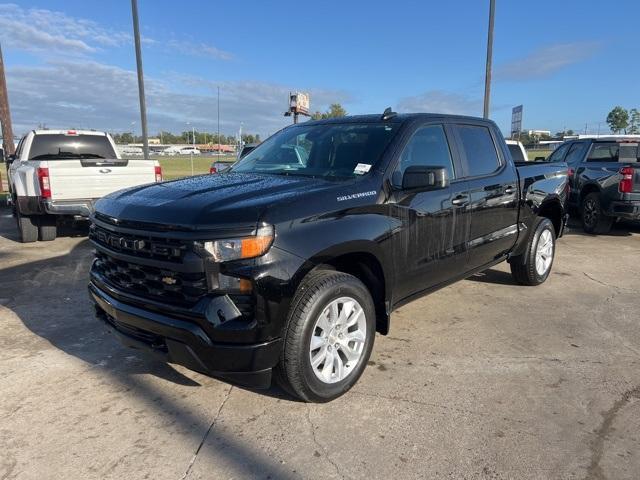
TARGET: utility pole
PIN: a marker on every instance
(218, 120)
(487, 78)
(143, 104)
(5, 113)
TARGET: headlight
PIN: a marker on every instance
(239, 248)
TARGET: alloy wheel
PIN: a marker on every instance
(544, 252)
(338, 340)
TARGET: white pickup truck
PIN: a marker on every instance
(61, 173)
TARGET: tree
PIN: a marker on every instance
(126, 137)
(335, 111)
(618, 120)
(634, 121)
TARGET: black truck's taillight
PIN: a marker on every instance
(626, 184)
(45, 185)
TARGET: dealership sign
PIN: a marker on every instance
(516, 120)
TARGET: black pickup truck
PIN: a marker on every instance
(291, 260)
(604, 179)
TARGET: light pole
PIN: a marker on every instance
(5, 113)
(487, 78)
(218, 120)
(143, 105)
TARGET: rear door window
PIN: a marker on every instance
(479, 150)
(558, 154)
(59, 147)
(576, 153)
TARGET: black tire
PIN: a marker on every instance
(523, 268)
(594, 220)
(47, 228)
(294, 372)
(27, 227)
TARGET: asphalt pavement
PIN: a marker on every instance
(484, 379)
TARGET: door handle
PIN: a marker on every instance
(460, 200)
(509, 190)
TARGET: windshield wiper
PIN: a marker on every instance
(63, 155)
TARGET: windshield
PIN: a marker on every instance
(54, 146)
(331, 151)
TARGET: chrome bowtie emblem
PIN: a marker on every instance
(169, 280)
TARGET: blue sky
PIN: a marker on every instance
(72, 63)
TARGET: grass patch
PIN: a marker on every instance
(179, 166)
(538, 153)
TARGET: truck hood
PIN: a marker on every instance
(208, 201)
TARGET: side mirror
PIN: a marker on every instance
(11, 158)
(425, 178)
(541, 159)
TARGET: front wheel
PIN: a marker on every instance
(329, 336)
(534, 266)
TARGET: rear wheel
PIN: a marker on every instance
(47, 228)
(594, 219)
(27, 227)
(534, 266)
(329, 337)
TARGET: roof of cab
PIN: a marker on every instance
(395, 118)
(66, 132)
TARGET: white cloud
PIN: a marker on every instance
(440, 101)
(199, 49)
(89, 94)
(46, 31)
(546, 61)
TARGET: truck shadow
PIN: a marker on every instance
(497, 277)
(79, 229)
(62, 314)
(619, 229)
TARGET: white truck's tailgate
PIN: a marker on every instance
(73, 179)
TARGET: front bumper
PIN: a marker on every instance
(629, 210)
(186, 343)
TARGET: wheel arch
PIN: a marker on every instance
(587, 189)
(553, 210)
(364, 261)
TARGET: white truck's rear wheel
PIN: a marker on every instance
(47, 228)
(27, 227)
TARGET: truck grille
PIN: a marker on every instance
(151, 282)
(143, 246)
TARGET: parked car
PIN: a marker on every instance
(189, 151)
(291, 270)
(130, 151)
(61, 173)
(170, 151)
(604, 178)
(518, 153)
